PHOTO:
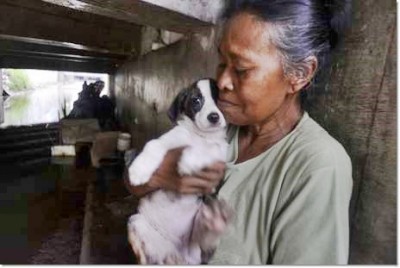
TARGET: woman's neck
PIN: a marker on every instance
(257, 138)
(276, 126)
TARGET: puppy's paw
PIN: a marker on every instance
(140, 171)
(216, 215)
(137, 246)
(174, 260)
(211, 221)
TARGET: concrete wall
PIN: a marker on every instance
(145, 88)
(358, 107)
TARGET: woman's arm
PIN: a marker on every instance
(166, 177)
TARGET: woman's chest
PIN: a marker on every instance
(253, 194)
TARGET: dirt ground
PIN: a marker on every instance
(42, 215)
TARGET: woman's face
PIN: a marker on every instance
(250, 75)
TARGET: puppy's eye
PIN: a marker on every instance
(196, 102)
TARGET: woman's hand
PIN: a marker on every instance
(166, 177)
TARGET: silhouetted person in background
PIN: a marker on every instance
(91, 105)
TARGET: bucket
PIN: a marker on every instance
(124, 142)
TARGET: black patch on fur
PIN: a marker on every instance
(189, 102)
(214, 89)
(176, 107)
(194, 101)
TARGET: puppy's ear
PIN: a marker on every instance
(214, 89)
(177, 105)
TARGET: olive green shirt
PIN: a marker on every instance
(291, 201)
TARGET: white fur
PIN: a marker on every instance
(162, 232)
(206, 143)
(208, 107)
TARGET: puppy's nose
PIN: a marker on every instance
(213, 118)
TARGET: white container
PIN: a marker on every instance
(124, 142)
(63, 150)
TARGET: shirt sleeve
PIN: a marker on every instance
(311, 224)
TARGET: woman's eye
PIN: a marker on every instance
(241, 71)
(222, 66)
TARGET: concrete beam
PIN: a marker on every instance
(180, 16)
(27, 61)
(12, 44)
(41, 20)
(203, 10)
(29, 53)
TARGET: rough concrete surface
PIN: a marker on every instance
(359, 109)
(145, 88)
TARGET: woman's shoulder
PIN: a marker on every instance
(311, 140)
(315, 160)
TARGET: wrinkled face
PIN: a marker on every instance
(198, 103)
(250, 74)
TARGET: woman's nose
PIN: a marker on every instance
(224, 80)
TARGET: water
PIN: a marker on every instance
(41, 105)
(51, 98)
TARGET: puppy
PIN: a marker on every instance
(172, 228)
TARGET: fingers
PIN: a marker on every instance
(215, 172)
(217, 167)
(213, 177)
(192, 184)
(203, 182)
(167, 177)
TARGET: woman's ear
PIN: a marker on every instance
(303, 74)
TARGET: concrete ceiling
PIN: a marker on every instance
(90, 35)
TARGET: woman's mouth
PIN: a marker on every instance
(224, 104)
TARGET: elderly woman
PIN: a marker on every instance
(288, 180)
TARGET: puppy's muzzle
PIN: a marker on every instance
(213, 118)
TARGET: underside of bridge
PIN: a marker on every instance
(92, 35)
(151, 49)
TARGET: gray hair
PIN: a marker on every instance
(302, 28)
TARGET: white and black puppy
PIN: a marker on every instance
(172, 228)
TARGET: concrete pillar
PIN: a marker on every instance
(359, 108)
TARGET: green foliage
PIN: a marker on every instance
(18, 80)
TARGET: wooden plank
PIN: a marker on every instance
(173, 15)
(37, 19)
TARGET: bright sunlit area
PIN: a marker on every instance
(38, 96)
